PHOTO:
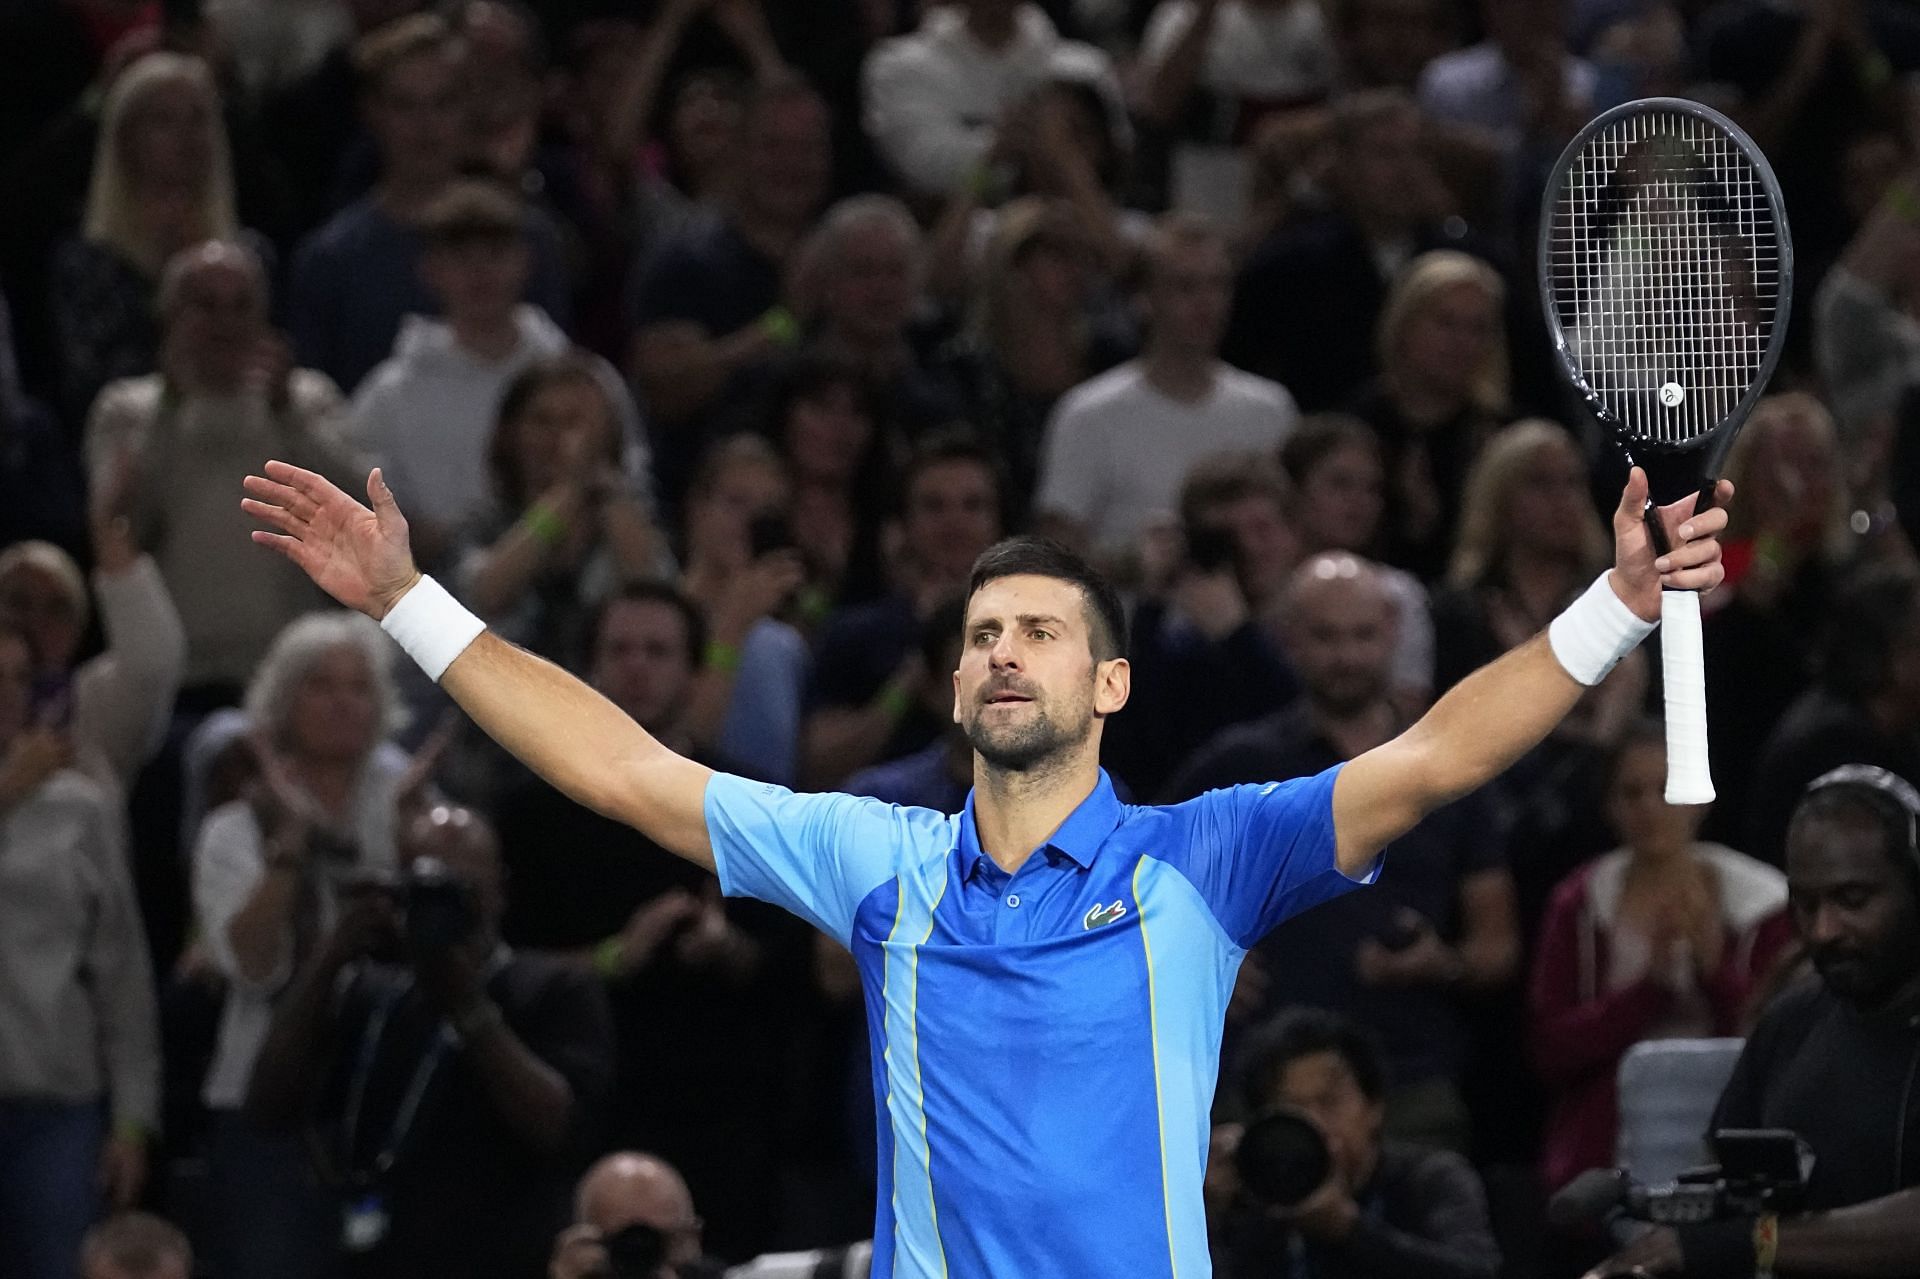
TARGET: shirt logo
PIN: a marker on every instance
(1099, 915)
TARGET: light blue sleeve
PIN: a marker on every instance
(1262, 853)
(815, 855)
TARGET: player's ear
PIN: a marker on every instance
(1112, 684)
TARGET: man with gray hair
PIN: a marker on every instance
(1445, 923)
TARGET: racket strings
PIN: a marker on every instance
(1664, 269)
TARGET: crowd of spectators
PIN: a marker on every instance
(705, 344)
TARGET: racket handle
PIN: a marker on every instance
(1685, 675)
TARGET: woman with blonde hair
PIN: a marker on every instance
(1442, 389)
(162, 180)
(1530, 539)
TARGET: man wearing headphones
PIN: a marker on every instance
(1836, 1061)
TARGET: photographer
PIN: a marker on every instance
(447, 1080)
(1380, 1208)
(633, 1218)
(1833, 1061)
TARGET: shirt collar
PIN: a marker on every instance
(1078, 838)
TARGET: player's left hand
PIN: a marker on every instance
(1655, 1253)
(1639, 574)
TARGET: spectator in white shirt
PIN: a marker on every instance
(936, 99)
(1119, 445)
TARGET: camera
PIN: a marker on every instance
(1756, 1170)
(636, 1251)
(1282, 1158)
(439, 907)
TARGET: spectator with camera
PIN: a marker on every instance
(446, 1081)
(79, 1047)
(1832, 1060)
(269, 872)
(633, 1218)
(1315, 1188)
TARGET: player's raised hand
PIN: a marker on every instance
(358, 556)
(1640, 573)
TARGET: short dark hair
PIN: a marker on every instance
(1302, 1032)
(474, 210)
(665, 594)
(1318, 438)
(1864, 625)
(1041, 557)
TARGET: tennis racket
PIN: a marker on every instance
(1666, 270)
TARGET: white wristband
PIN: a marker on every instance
(432, 626)
(1595, 632)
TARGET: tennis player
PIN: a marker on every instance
(1046, 972)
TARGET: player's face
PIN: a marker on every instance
(1028, 689)
(1854, 907)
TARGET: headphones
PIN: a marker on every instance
(1887, 793)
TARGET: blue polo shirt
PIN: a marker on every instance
(1045, 1044)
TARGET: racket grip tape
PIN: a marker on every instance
(1684, 671)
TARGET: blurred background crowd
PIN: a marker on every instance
(705, 343)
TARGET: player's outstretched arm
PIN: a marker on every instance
(1505, 708)
(552, 722)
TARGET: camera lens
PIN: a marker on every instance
(1282, 1159)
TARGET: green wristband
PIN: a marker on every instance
(610, 957)
(779, 324)
(547, 528)
(722, 656)
(896, 702)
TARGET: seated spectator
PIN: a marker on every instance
(42, 490)
(1334, 464)
(225, 398)
(1200, 656)
(568, 524)
(161, 182)
(1662, 938)
(940, 775)
(1388, 1207)
(688, 976)
(358, 276)
(740, 568)
(1033, 332)
(1397, 959)
(644, 1202)
(1862, 708)
(937, 99)
(1529, 541)
(1119, 445)
(859, 282)
(1787, 543)
(1866, 323)
(114, 706)
(79, 1040)
(864, 705)
(1386, 44)
(1832, 1058)
(826, 421)
(1518, 83)
(425, 414)
(448, 1083)
(708, 312)
(269, 873)
(136, 1245)
(1309, 298)
(1442, 389)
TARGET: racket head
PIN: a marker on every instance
(1666, 279)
